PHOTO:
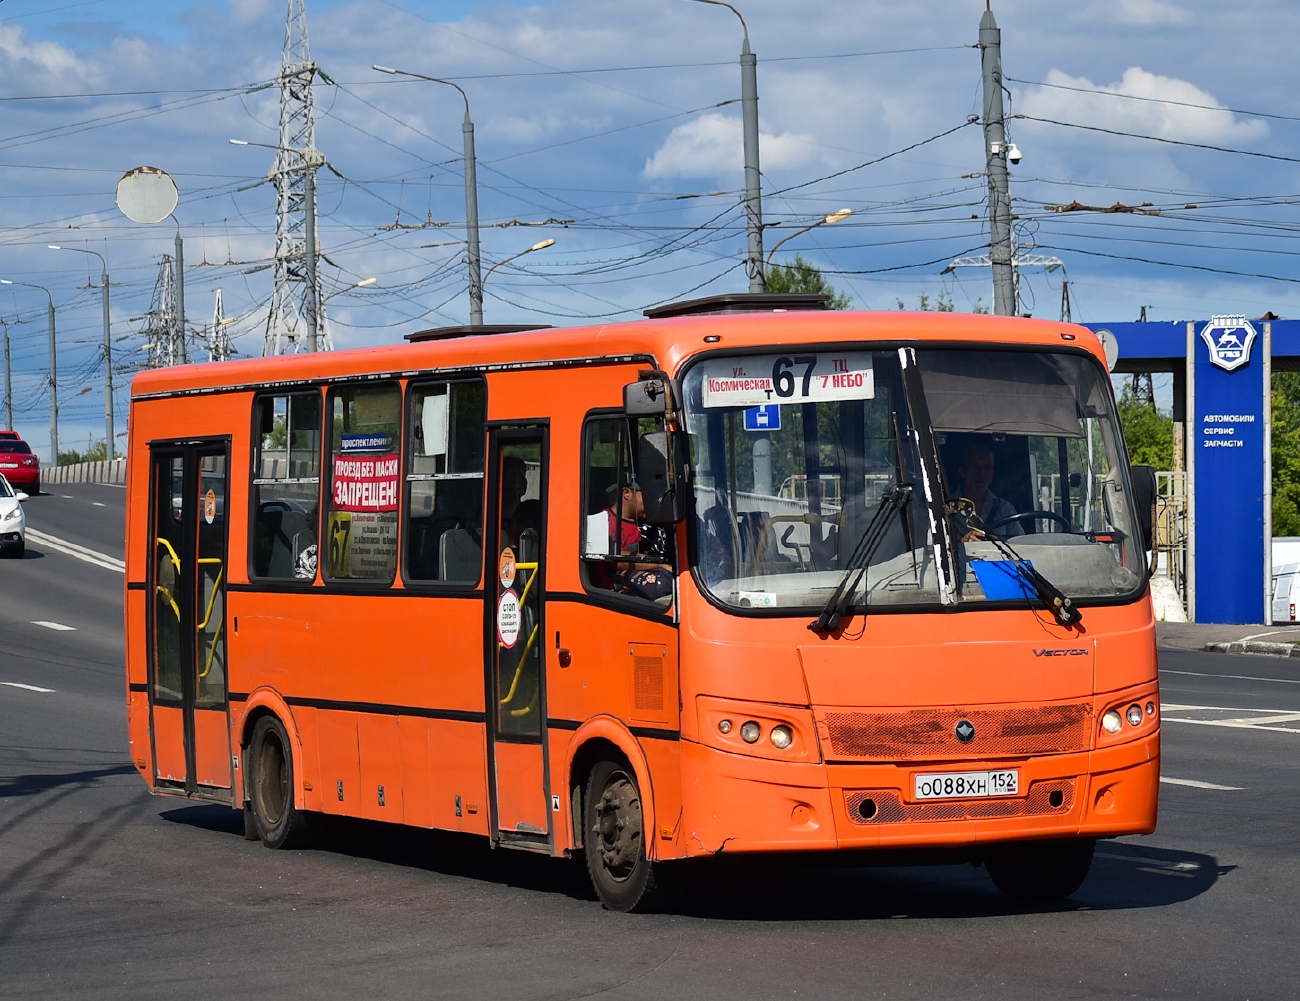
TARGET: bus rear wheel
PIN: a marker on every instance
(614, 839)
(279, 824)
(1041, 870)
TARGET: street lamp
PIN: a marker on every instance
(834, 217)
(749, 121)
(311, 160)
(110, 454)
(54, 374)
(348, 288)
(536, 246)
(471, 197)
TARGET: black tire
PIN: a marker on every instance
(278, 822)
(614, 839)
(1041, 870)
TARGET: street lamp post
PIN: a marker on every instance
(834, 217)
(110, 452)
(471, 198)
(311, 160)
(54, 373)
(536, 246)
(749, 121)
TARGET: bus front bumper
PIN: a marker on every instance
(734, 803)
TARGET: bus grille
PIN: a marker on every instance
(886, 806)
(930, 733)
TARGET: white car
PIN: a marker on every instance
(13, 523)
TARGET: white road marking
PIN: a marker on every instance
(1197, 784)
(29, 688)
(1201, 674)
(66, 496)
(79, 552)
(97, 504)
(1258, 719)
(57, 626)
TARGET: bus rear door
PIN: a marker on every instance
(188, 689)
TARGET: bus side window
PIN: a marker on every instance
(444, 482)
(286, 486)
(361, 531)
(619, 552)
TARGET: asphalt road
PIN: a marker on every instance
(106, 891)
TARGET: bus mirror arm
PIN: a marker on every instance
(650, 396)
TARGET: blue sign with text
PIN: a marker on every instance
(1228, 465)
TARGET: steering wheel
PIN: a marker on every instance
(1034, 515)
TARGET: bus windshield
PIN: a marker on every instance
(1004, 457)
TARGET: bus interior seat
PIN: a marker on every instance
(283, 528)
(460, 556)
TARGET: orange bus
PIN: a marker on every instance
(543, 585)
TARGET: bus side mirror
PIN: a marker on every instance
(1144, 501)
(664, 478)
(647, 398)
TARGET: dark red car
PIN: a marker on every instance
(20, 467)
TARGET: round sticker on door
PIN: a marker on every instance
(507, 568)
(210, 506)
(508, 619)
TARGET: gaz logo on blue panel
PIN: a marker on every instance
(766, 417)
(1229, 339)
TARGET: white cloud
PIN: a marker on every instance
(713, 146)
(1163, 109)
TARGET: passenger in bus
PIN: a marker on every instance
(977, 471)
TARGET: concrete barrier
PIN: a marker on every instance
(102, 471)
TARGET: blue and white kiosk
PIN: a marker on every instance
(1222, 371)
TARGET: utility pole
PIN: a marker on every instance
(54, 391)
(9, 385)
(753, 191)
(1001, 250)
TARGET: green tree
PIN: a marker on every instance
(93, 453)
(943, 303)
(800, 276)
(1148, 433)
(1286, 453)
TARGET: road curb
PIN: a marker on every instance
(1257, 647)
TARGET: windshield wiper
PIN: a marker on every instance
(894, 500)
(1053, 598)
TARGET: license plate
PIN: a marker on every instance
(968, 785)
(8, 465)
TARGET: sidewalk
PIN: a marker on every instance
(1258, 639)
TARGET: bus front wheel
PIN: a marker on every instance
(614, 839)
(1041, 870)
(278, 822)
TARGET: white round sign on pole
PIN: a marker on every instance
(508, 619)
(147, 195)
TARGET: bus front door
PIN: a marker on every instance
(187, 614)
(515, 649)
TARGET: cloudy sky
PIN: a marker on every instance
(613, 128)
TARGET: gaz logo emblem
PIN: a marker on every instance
(1229, 339)
(965, 731)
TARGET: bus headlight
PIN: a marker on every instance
(782, 737)
(724, 726)
(1134, 715)
(750, 732)
(1111, 721)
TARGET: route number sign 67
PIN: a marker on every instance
(796, 377)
